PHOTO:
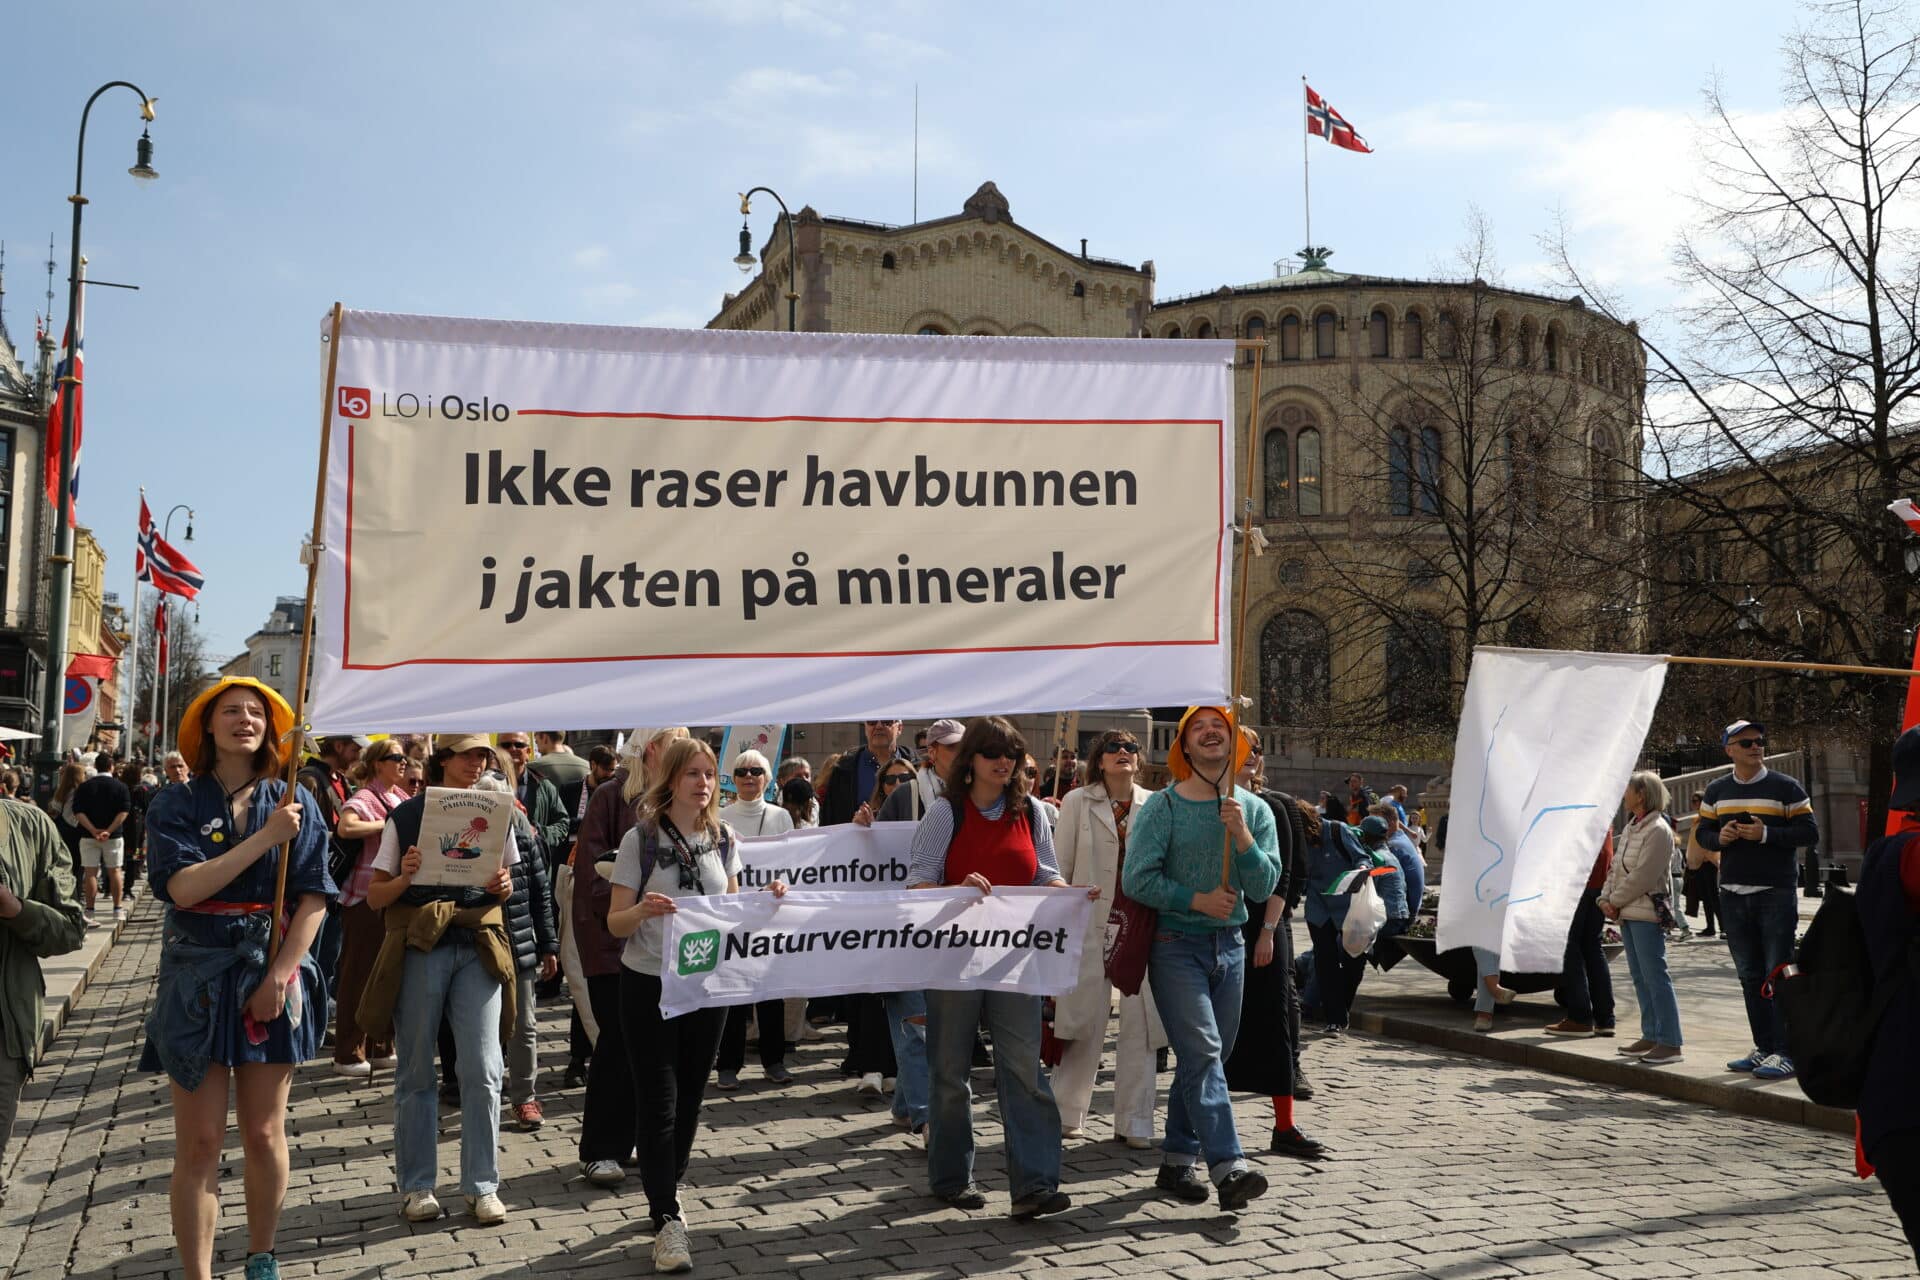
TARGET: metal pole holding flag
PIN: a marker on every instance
(1306, 166)
(130, 694)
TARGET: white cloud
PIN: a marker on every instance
(899, 48)
(829, 152)
(591, 257)
(761, 85)
(820, 17)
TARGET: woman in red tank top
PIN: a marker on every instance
(986, 832)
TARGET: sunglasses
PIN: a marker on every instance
(750, 771)
(1033, 773)
(894, 779)
(995, 753)
(1750, 742)
(1129, 748)
(514, 746)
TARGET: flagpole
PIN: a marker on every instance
(130, 695)
(157, 741)
(1306, 165)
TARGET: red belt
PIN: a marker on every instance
(209, 907)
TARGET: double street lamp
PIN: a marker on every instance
(59, 604)
(747, 262)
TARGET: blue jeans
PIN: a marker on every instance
(1759, 929)
(326, 952)
(1652, 985)
(909, 1053)
(1027, 1110)
(1196, 979)
(1486, 964)
(449, 980)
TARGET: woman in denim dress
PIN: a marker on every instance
(223, 1013)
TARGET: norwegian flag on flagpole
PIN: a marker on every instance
(1324, 122)
(155, 561)
(68, 379)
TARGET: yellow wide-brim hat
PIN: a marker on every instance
(1181, 768)
(193, 719)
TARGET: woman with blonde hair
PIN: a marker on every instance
(679, 848)
(1639, 876)
(609, 1132)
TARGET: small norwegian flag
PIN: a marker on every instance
(1907, 511)
(1324, 122)
(155, 560)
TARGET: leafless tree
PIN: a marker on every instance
(1782, 395)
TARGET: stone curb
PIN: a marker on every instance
(1784, 1103)
(71, 974)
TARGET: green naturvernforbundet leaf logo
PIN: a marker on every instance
(699, 952)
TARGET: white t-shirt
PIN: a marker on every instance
(757, 818)
(388, 859)
(645, 944)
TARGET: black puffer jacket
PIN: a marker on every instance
(530, 909)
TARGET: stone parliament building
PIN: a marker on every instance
(1356, 475)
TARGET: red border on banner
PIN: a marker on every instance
(1220, 467)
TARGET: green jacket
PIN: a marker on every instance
(546, 812)
(34, 865)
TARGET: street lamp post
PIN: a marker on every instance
(159, 643)
(746, 261)
(59, 603)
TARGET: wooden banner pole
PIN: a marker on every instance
(1259, 348)
(306, 624)
(1839, 669)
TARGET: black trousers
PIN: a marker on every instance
(1586, 984)
(770, 1019)
(1702, 885)
(1339, 974)
(670, 1059)
(609, 1121)
(579, 1048)
(869, 1042)
(1283, 955)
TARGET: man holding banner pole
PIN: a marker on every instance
(1198, 960)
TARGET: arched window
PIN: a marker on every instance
(1296, 663)
(1413, 343)
(1419, 664)
(1173, 331)
(1525, 632)
(1203, 330)
(1279, 474)
(1497, 340)
(1079, 288)
(1553, 349)
(1323, 336)
(1427, 496)
(1306, 455)
(887, 262)
(930, 329)
(1524, 355)
(1290, 337)
(1379, 328)
(1527, 468)
(1449, 337)
(1256, 332)
(1400, 471)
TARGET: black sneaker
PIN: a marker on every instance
(727, 1081)
(1183, 1182)
(967, 1197)
(1040, 1204)
(1302, 1091)
(778, 1073)
(576, 1076)
(1292, 1142)
(1240, 1187)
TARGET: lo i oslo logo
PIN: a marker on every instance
(699, 952)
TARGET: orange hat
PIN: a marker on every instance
(1177, 763)
(279, 717)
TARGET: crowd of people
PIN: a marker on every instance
(440, 985)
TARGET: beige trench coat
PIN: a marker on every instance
(1086, 845)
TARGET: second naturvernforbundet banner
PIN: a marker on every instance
(626, 525)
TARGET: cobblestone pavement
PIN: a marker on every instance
(1448, 1167)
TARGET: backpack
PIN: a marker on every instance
(650, 849)
(1833, 1001)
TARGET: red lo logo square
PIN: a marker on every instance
(353, 402)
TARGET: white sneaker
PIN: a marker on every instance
(604, 1173)
(670, 1251)
(887, 1084)
(353, 1068)
(420, 1206)
(870, 1083)
(488, 1209)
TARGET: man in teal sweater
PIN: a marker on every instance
(1175, 848)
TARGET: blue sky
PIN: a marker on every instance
(578, 161)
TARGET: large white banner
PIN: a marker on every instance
(748, 947)
(599, 526)
(842, 857)
(1547, 741)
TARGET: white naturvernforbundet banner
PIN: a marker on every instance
(844, 857)
(601, 527)
(748, 947)
(1547, 742)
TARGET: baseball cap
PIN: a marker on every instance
(1373, 827)
(945, 732)
(1740, 726)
